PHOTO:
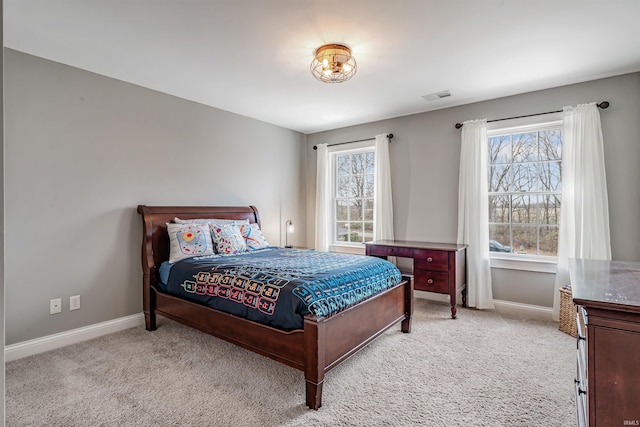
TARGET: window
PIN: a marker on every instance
(525, 165)
(353, 181)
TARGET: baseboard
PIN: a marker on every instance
(505, 307)
(431, 296)
(525, 310)
(51, 342)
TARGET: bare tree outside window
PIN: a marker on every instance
(525, 190)
(354, 181)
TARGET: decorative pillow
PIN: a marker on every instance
(228, 239)
(188, 240)
(253, 237)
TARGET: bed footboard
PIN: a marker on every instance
(332, 340)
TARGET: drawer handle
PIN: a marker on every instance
(390, 250)
(430, 281)
(429, 259)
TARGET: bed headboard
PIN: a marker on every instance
(155, 240)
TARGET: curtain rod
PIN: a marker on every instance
(390, 136)
(603, 105)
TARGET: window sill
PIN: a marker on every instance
(358, 249)
(524, 263)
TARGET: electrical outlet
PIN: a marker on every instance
(74, 302)
(55, 306)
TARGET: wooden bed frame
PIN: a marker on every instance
(324, 342)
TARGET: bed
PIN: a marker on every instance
(322, 343)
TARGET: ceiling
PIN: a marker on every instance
(252, 57)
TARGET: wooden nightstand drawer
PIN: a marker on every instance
(389, 251)
(432, 260)
(431, 281)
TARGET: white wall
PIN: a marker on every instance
(83, 150)
(425, 166)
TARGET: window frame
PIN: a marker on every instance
(514, 261)
(334, 152)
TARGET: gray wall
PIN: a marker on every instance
(425, 166)
(83, 150)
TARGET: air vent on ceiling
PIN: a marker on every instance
(437, 95)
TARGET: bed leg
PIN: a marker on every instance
(148, 303)
(314, 361)
(150, 320)
(314, 395)
(406, 325)
(408, 304)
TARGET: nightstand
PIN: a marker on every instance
(437, 267)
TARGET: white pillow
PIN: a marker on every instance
(228, 239)
(253, 237)
(205, 221)
(188, 240)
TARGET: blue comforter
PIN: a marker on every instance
(277, 286)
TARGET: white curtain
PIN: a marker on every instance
(323, 199)
(473, 212)
(584, 217)
(383, 213)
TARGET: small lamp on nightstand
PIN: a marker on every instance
(289, 229)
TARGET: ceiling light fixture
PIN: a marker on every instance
(333, 64)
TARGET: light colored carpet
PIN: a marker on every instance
(483, 369)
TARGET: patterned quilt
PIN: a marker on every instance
(278, 286)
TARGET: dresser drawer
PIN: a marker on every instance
(581, 405)
(581, 322)
(581, 374)
(431, 281)
(389, 251)
(431, 260)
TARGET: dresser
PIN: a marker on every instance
(437, 267)
(607, 386)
